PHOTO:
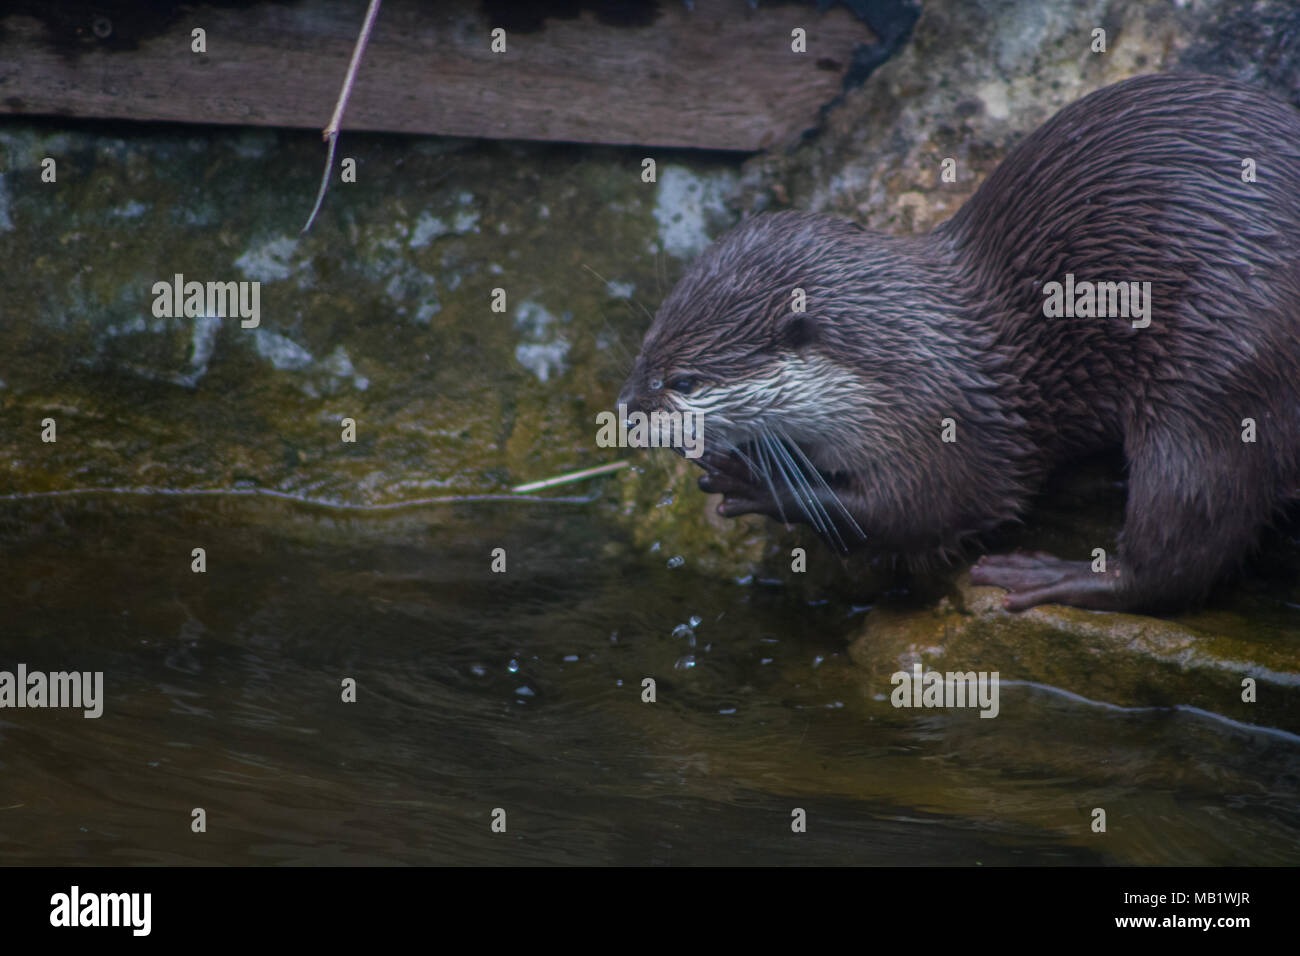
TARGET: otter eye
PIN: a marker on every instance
(682, 384)
(656, 384)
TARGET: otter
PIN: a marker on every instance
(924, 393)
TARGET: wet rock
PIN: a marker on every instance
(1196, 660)
(975, 77)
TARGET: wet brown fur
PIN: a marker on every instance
(1140, 181)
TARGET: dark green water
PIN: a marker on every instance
(521, 691)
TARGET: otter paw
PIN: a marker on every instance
(725, 463)
(1040, 578)
(733, 505)
(742, 492)
(718, 483)
(728, 474)
(738, 497)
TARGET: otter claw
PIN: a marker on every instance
(716, 483)
(731, 507)
(729, 464)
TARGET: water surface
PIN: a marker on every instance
(522, 691)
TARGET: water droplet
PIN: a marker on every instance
(727, 710)
(817, 661)
(676, 561)
(478, 670)
(696, 620)
(682, 631)
(685, 663)
(524, 691)
(570, 658)
(513, 666)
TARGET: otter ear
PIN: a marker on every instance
(796, 330)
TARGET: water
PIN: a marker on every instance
(522, 691)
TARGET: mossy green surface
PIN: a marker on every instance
(382, 313)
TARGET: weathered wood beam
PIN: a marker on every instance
(720, 76)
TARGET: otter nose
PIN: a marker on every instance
(627, 400)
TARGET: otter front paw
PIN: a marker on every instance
(1040, 578)
(742, 491)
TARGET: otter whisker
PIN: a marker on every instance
(767, 443)
(825, 484)
(801, 472)
(828, 528)
(765, 471)
(813, 508)
(759, 469)
(736, 450)
(787, 447)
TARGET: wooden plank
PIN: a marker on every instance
(720, 76)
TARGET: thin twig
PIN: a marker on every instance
(571, 477)
(607, 284)
(331, 132)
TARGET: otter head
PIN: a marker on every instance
(751, 341)
(839, 354)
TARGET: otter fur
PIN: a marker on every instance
(837, 415)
